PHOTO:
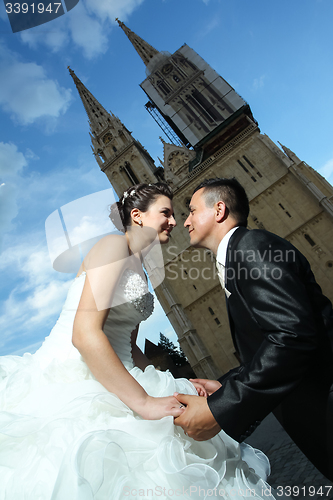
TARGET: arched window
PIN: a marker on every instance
(130, 174)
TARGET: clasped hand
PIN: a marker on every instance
(197, 420)
(192, 413)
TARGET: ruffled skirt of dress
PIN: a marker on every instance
(63, 436)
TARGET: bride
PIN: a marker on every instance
(86, 416)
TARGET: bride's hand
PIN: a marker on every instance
(156, 408)
(200, 389)
(210, 386)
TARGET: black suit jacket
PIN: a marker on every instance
(282, 327)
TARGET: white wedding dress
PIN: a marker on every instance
(63, 436)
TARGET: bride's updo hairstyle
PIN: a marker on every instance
(140, 196)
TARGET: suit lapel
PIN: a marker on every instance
(232, 246)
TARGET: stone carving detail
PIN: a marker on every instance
(176, 162)
(177, 159)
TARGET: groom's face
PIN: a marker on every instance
(200, 222)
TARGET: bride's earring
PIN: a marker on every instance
(140, 223)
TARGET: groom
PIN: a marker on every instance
(281, 325)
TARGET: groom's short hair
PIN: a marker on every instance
(231, 192)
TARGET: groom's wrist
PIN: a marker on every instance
(215, 405)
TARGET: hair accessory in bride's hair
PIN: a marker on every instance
(127, 194)
(124, 197)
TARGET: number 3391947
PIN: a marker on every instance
(32, 8)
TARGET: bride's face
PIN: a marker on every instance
(160, 217)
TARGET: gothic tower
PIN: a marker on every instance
(122, 158)
(187, 93)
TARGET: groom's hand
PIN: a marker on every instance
(197, 419)
(210, 386)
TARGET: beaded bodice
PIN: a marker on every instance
(137, 306)
(135, 291)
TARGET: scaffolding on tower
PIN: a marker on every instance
(175, 138)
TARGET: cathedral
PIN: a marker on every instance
(210, 132)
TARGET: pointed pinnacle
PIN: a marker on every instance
(73, 75)
(145, 51)
(285, 149)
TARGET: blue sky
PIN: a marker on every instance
(276, 54)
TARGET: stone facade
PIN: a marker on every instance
(286, 197)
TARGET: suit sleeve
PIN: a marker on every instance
(276, 297)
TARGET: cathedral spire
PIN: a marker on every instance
(99, 118)
(187, 99)
(145, 51)
(123, 159)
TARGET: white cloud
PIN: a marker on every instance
(86, 27)
(37, 293)
(87, 32)
(117, 8)
(45, 301)
(34, 309)
(77, 27)
(41, 192)
(11, 160)
(55, 40)
(30, 309)
(27, 93)
(36, 301)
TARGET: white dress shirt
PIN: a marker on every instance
(221, 258)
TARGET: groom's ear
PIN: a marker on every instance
(221, 211)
